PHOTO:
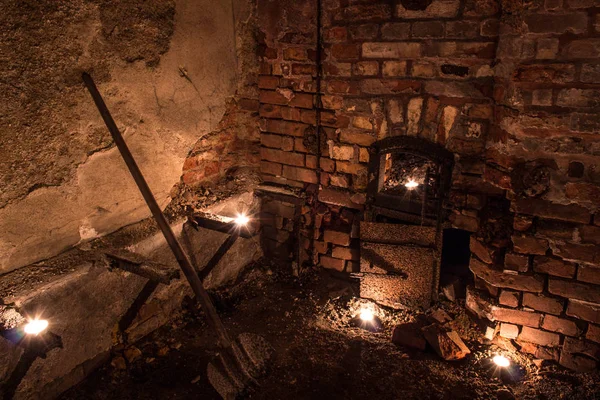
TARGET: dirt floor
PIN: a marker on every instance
(318, 354)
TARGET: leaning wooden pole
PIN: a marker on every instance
(182, 259)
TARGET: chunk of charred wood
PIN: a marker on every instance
(140, 265)
(445, 342)
(222, 224)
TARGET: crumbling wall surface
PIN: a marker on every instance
(510, 87)
(166, 69)
(541, 282)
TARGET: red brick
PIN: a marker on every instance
(554, 266)
(584, 310)
(584, 191)
(332, 263)
(366, 68)
(359, 138)
(336, 237)
(295, 54)
(588, 253)
(395, 31)
(350, 168)
(300, 174)
(590, 234)
(579, 98)
(516, 317)
(270, 111)
(539, 337)
(270, 168)
(271, 140)
(574, 290)
(481, 251)
(462, 29)
(327, 164)
(509, 298)
(335, 34)
(578, 346)
(286, 127)
(546, 209)
(529, 245)
(589, 274)
(272, 97)
(268, 82)
(522, 223)
(509, 331)
(560, 325)
(282, 157)
(516, 262)
(345, 253)
(304, 69)
(364, 32)
(556, 23)
(365, 12)
(392, 50)
(500, 279)
(542, 303)
(345, 52)
(428, 29)
(583, 48)
(593, 333)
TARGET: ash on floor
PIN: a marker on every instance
(318, 353)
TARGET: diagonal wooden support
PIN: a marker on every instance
(222, 224)
(140, 265)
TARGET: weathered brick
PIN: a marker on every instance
(584, 310)
(516, 262)
(541, 97)
(345, 52)
(590, 234)
(593, 333)
(282, 157)
(500, 279)
(516, 317)
(546, 209)
(395, 31)
(286, 127)
(509, 298)
(462, 29)
(556, 23)
(509, 331)
(529, 245)
(574, 290)
(560, 325)
(394, 68)
(428, 29)
(481, 251)
(580, 98)
(345, 253)
(268, 82)
(391, 50)
(270, 168)
(366, 12)
(465, 222)
(573, 348)
(588, 253)
(589, 274)
(271, 140)
(350, 168)
(549, 73)
(543, 303)
(540, 337)
(367, 31)
(300, 174)
(332, 263)
(389, 86)
(590, 73)
(366, 68)
(295, 54)
(437, 9)
(336, 237)
(359, 138)
(583, 48)
(554, 266)
(335, 34)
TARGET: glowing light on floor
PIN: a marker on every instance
(411, 184)
(241, 220)
(501, 361)
(35, 326)
(366, 315)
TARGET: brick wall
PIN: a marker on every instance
(508, 89)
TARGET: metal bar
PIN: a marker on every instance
(163, 224)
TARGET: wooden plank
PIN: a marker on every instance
(140, 265)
